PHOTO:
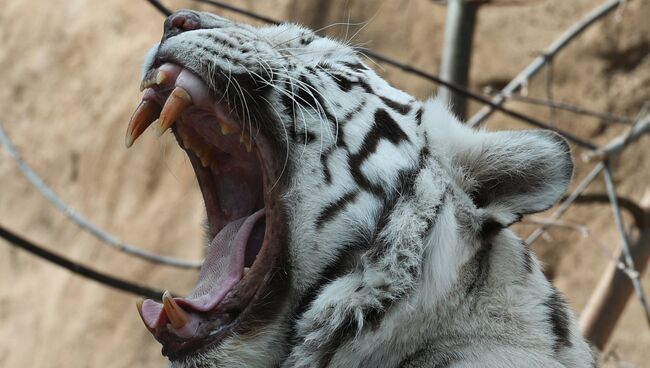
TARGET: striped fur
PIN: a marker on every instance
(399, 249)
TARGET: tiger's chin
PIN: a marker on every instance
(242, 282)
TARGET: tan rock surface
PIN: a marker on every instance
(70, 73)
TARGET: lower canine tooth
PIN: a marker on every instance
(177, 102)
(246, 270)
(177, 316)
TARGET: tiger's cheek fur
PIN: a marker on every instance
(398, 249)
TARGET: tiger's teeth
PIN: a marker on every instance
(145, 114)
(177, 316)
(138, 305)
(146, 83)
(179, 100)
(226, 129)
(246, 270)
(160, 77)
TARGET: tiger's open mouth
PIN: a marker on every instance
(236, 171)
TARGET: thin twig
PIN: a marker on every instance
(607, 302)
(537, 64)
(161, 8)
(618, 219)
(570, 108)
(244, 12)
(564, 206)
(586, 232)
(616, 145)
(81, 221)
(549, 91)
(77, 268)
(428, 76)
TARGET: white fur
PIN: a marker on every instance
(416, 215)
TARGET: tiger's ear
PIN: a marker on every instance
(516, 173)
(508, 173)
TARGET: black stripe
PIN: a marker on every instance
(432, 220)
(344, 263)
(335, 340)
(327, 175)
(559, 319)
(418, 116)
(399, 107)
(344, 83)
(306, 38)
(378, 246)
(384, 127)
(340, 139)
(334, 208)
(309, 96)
(490, 228)
(356, 66)
(430, 357)
(288, 102)
(295, 132)
(527, 258)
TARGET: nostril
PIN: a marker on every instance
(181, 21)
(185, 21)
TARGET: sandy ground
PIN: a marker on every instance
(70, 72)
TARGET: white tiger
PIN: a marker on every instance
(352, 225)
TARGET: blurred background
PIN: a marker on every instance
(71, 70)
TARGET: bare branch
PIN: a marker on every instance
(568, 107)
(616, 145)
(627, 253)
(609, 298)
(77, 268)
(586, 232)
(81, 221)
(537, 64)
(564, 206)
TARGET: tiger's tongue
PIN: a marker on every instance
(221, 271)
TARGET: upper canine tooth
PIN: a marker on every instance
(177, 102)
(177, 316)
(145, 114)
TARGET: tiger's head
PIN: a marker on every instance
(332, 198)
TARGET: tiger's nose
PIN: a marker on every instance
(181, 21)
